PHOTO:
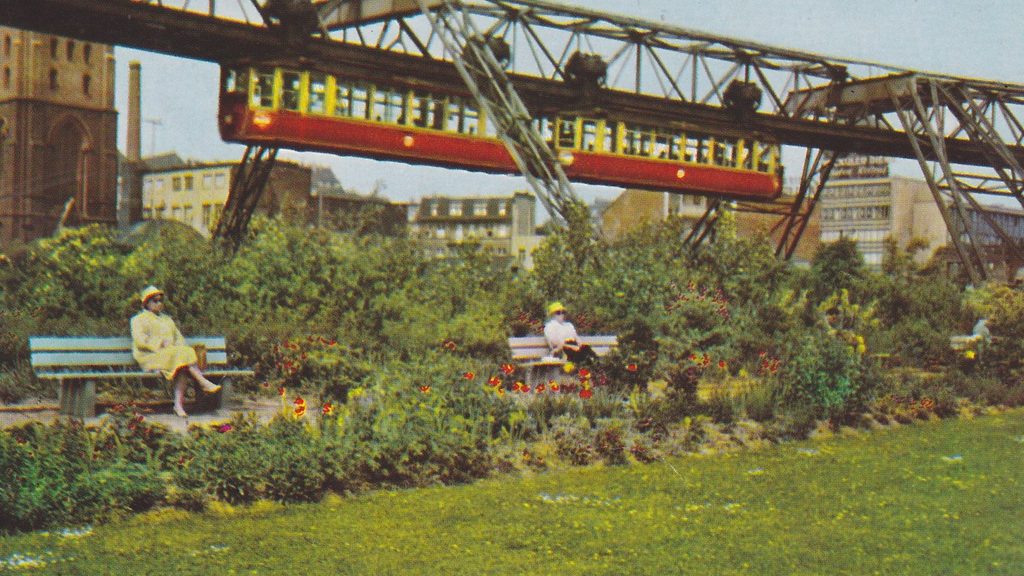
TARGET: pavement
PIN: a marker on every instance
(159, 412)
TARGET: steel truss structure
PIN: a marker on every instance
(246, 189)
(966, 134)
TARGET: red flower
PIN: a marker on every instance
(631, 367)
(280, 391)
(524, 388)
(327, 409)
(586, 393)
(508, 369)
(468, 375)
(517, 385)
(300, 407)
(584, 373)
(449, 345)
(540, 388)
(722, 364)
(425, 389)
(494, 381)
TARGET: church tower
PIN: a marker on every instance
(58, 145)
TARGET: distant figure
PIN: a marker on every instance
(157, 344)
(562, 338)
(981, 331)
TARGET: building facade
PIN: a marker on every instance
(636, 208)
(863, 202)
(58, 146)
(503, 226)
(195, 193)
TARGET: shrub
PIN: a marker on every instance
(573, 440)
(609, 441)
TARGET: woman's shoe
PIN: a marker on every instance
(180, 412)
(209, 387)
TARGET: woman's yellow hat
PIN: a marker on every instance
(555, 307)
(148, 292)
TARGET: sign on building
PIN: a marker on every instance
(860, 167)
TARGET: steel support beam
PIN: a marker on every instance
(246, 189)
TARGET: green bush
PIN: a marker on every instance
(823, 376)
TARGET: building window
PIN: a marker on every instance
(7, 45)
(433, 209)
(53, 79)
(455, 209)
(207, 215)
(480, 209)
(7, 76)
(176, 213)
(188, 215)
(86, 84)
(71, 50)
(176, 183)
(53, 48)
(220, 180)
(207, 181)
(147, 214)
(86, 52)
(188, 182)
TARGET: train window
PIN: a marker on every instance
(611, 137)
(389, 105)
(697, 148)
(427, 112)
(544, 126)
(291, 85)
(588, 135)
(317, 93)
(471, 119)
(746, 154)
(666, 145)
(566, 132)
(637, 140)
(236, 80)
(263, 89)
(455, 122)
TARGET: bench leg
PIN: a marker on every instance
(78, 398)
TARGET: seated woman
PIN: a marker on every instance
(562, 338)
(157, 344)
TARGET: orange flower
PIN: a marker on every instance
(508, 369)
(539, 388)
(631, 367)
(468, 375)
(500, 391)
(494, 381)
(449, 345)
(553, 385)
(280, 391)
(300, 407)
(327, 409)
(517, 386)
(425, 389)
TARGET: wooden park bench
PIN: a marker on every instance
(532, 353)
(78, 362)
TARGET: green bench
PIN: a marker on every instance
(77, 363)
(532, 353)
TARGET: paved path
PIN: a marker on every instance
(265, 409)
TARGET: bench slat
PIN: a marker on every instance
(89, 344)
(536, 347)
(135, 374)
(103, 358)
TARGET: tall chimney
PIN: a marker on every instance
(134, 142)
(130, 204)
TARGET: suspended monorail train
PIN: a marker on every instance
(317, 111)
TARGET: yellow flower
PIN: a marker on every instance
(969, 354)
(569, 367)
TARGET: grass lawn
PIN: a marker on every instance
(933, 498)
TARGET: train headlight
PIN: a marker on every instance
(680, 173)
(229, 119)
(261, 120)
(408, 141)
(566, 158)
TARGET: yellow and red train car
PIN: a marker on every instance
(317, 111)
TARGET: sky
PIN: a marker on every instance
(973, 38)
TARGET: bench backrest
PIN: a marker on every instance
(534, 347)
(67, 351)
